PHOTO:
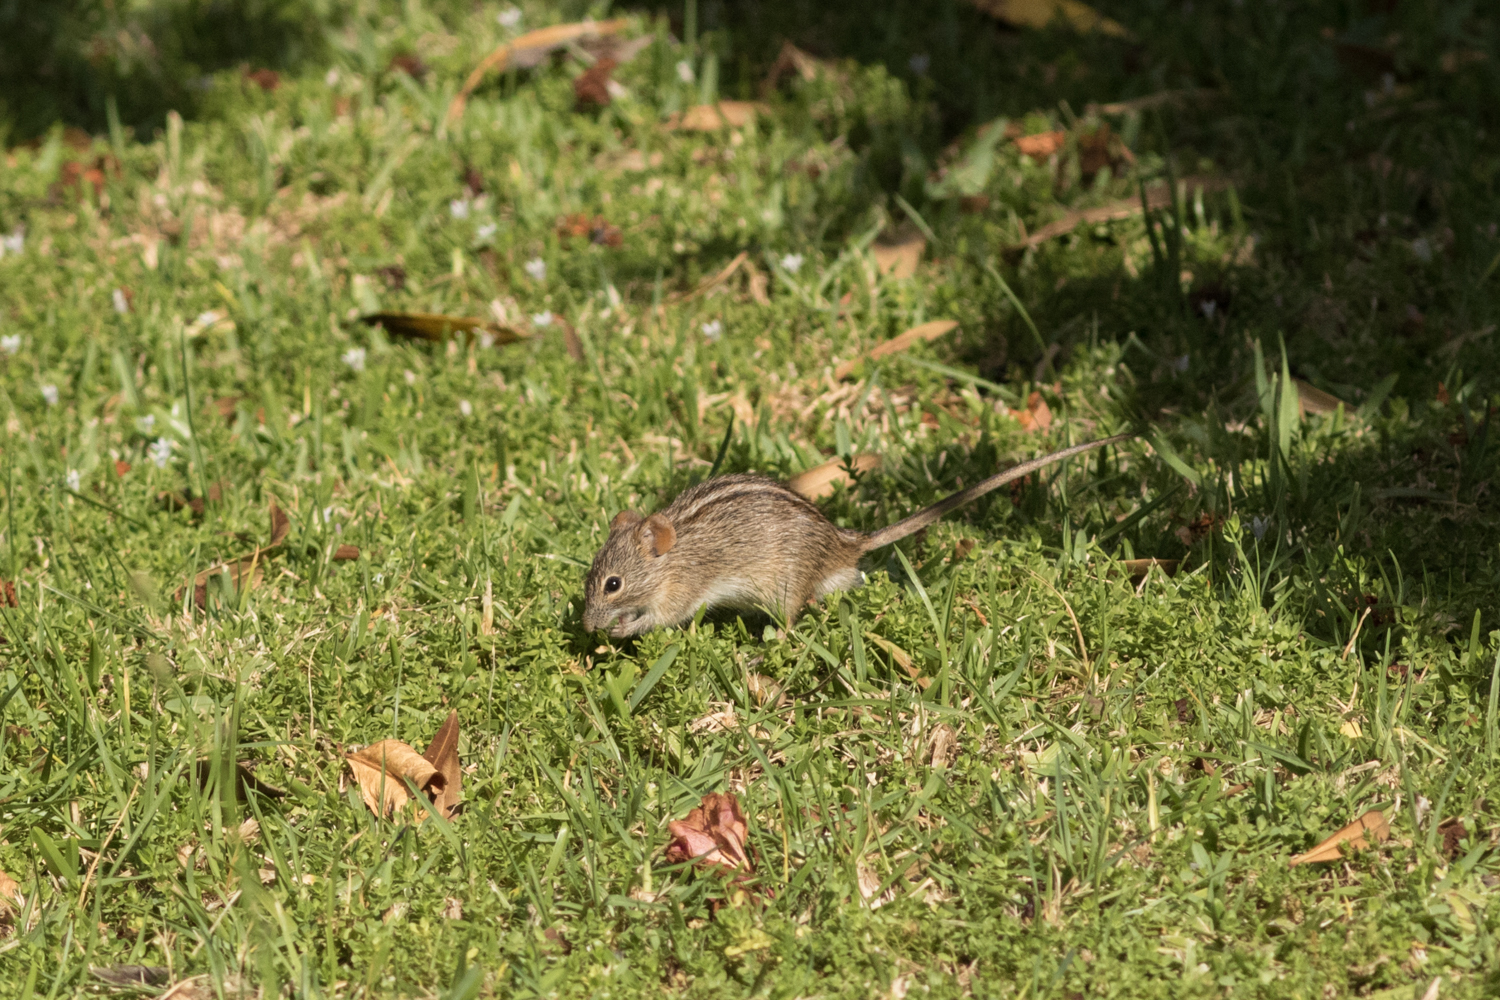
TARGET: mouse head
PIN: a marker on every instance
(627, 576)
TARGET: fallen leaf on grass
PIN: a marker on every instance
(10, 893)
(819, 482)
(755, 280)
(381, 770)
(713, 835)
(1372, 824)
(1042, 145)
(1453, 832)
(713, 117)
(591, 87)
(900, 658)
(928, 331)
(1311, 399)
(529, 50)
(1042, 13)
(8, 595)
(595, 228)
(1138, 568)
(1037, 416)
(346, 553)
(437, 327)
(899, 259)
(792, 61)
(1158, 195)
(246, 571)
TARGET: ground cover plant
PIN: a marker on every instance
(265, 563)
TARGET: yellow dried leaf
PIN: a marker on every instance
(899, 259)
(1311, 399)
(1041, 13)
(713, 117)
(381, 770)
(927, 331)
(10, 891)
(820, 481)
(1371, 825)
(901, 658)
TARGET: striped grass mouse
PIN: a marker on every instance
(745, 541)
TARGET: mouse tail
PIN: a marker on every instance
(931, 515)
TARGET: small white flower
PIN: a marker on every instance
(486, 339)
(920, 63)
(331, 78)
(354, 357)
(144, 424)
(410, 376)
(487, 232)
(1258, 527)
(379, 577)
(713, 329)
(14, 243)
(465, 407)
(75, 480)
(327, 513)
(685, 71)
(509, 18)
(207, 319)
(543, 318)
(49, 393)
(122, 304)
(160, 452)
(537, 268)
(459, 208)
(11, 344)
(791, 263)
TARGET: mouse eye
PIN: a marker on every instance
(611, 585)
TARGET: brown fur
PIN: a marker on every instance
(744, 541)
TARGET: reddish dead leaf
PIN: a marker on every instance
(346, 553)
(1371, 826)
(474, 181)
(1442, 394)
(1037, 416)
(411, 65)
(8, 594)
(529, 50)
(1453, 832)
(1041, 146)
(382, 769)
(595, 228)
(442, 753)
(713, 835)
(819, 482)
(713, 117)
(1198, 529)
(226, 407)
(121, 467)
(928, 331)
(899, 259)
(266, 79)
(591, 87)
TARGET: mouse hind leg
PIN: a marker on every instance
(846, 578)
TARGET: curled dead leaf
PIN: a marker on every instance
(1042, 145)
(442, 753)
(819, 482)
(529, 50)
(1311, 399)
(1043, 13)
(1371, 826)
(438, 327)
(346, 553)
(1037, 416)
(901, 658)
(713, 835)
(382, 769)
(591, 87)
(928, 331)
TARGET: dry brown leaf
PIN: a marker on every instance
(765, 690)
(1137, 568)
(713, 117)
(591, 87)
(792, 61)
(928, 331)
(1158, 195)
(346, 553)
(1037, 416)
(381, 770)
(529, 50)
(899, 259)
(901, 658)
(1042, 13)
(10, 891)
(1041, 146)
(713, 835)
(442, 753)
(437, 327)
(1311, 399)
(1372, 824)
(819, 482)
(572, 343)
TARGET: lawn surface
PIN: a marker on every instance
(1021, 760)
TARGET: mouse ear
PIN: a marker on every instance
(657, 535)
(624, 519)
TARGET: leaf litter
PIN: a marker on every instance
(383, 769)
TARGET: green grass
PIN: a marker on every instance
(1098, 785)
